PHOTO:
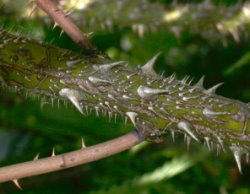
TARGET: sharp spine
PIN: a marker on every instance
(185, 126)
(209, 112)
(172, 78)
(55, 25)
(53, 152)
(237, 152)
(106, 67)
(96, 80)
(200, 83)
(36, 157)
(207, 141)
(145, 92)
(73, 96)
(83, 144)
(15, 181)
(213, 89)
(148, 68)
(185, 79)
(132, 116)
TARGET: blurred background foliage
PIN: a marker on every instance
(195, 38)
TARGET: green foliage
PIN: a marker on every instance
(28, 129)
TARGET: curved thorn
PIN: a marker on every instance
(132, 116)
(185, 126)
(106, 67)
(213, 89)
(148, 68)
(73, 96)
(83, 144)
(15, 181)
(237, 152)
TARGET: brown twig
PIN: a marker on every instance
(70, 159)
(61, 19)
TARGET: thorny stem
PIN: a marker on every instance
(61, 19)
(70, 159)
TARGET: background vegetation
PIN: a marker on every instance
(189, 46)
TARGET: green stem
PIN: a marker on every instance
(155, 105)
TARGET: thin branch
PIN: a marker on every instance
(66, 24)
(71, 159)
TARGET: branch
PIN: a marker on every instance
(66, 24)
(155, 105)
(71, 159)
(142, 16)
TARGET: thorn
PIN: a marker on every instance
(87, 110)
(76, 104)
(207, 141)
(89, 34)
(97, 111)
(220, 143)
(15, 181)
(132, 116)
(53, 152)
(190, 81)
(73, 96)
(61, 33)
(96, 80)
(55, 25)
(185, 79)
(208, 112)
(106, 67)
(212, 90)
(200, 83)
(110, 115)
(173, 135)
(185, 126)
(172, 78)
(237, 152)
(148, 68)
(145, 92)
(36, 157)
(83, 144)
